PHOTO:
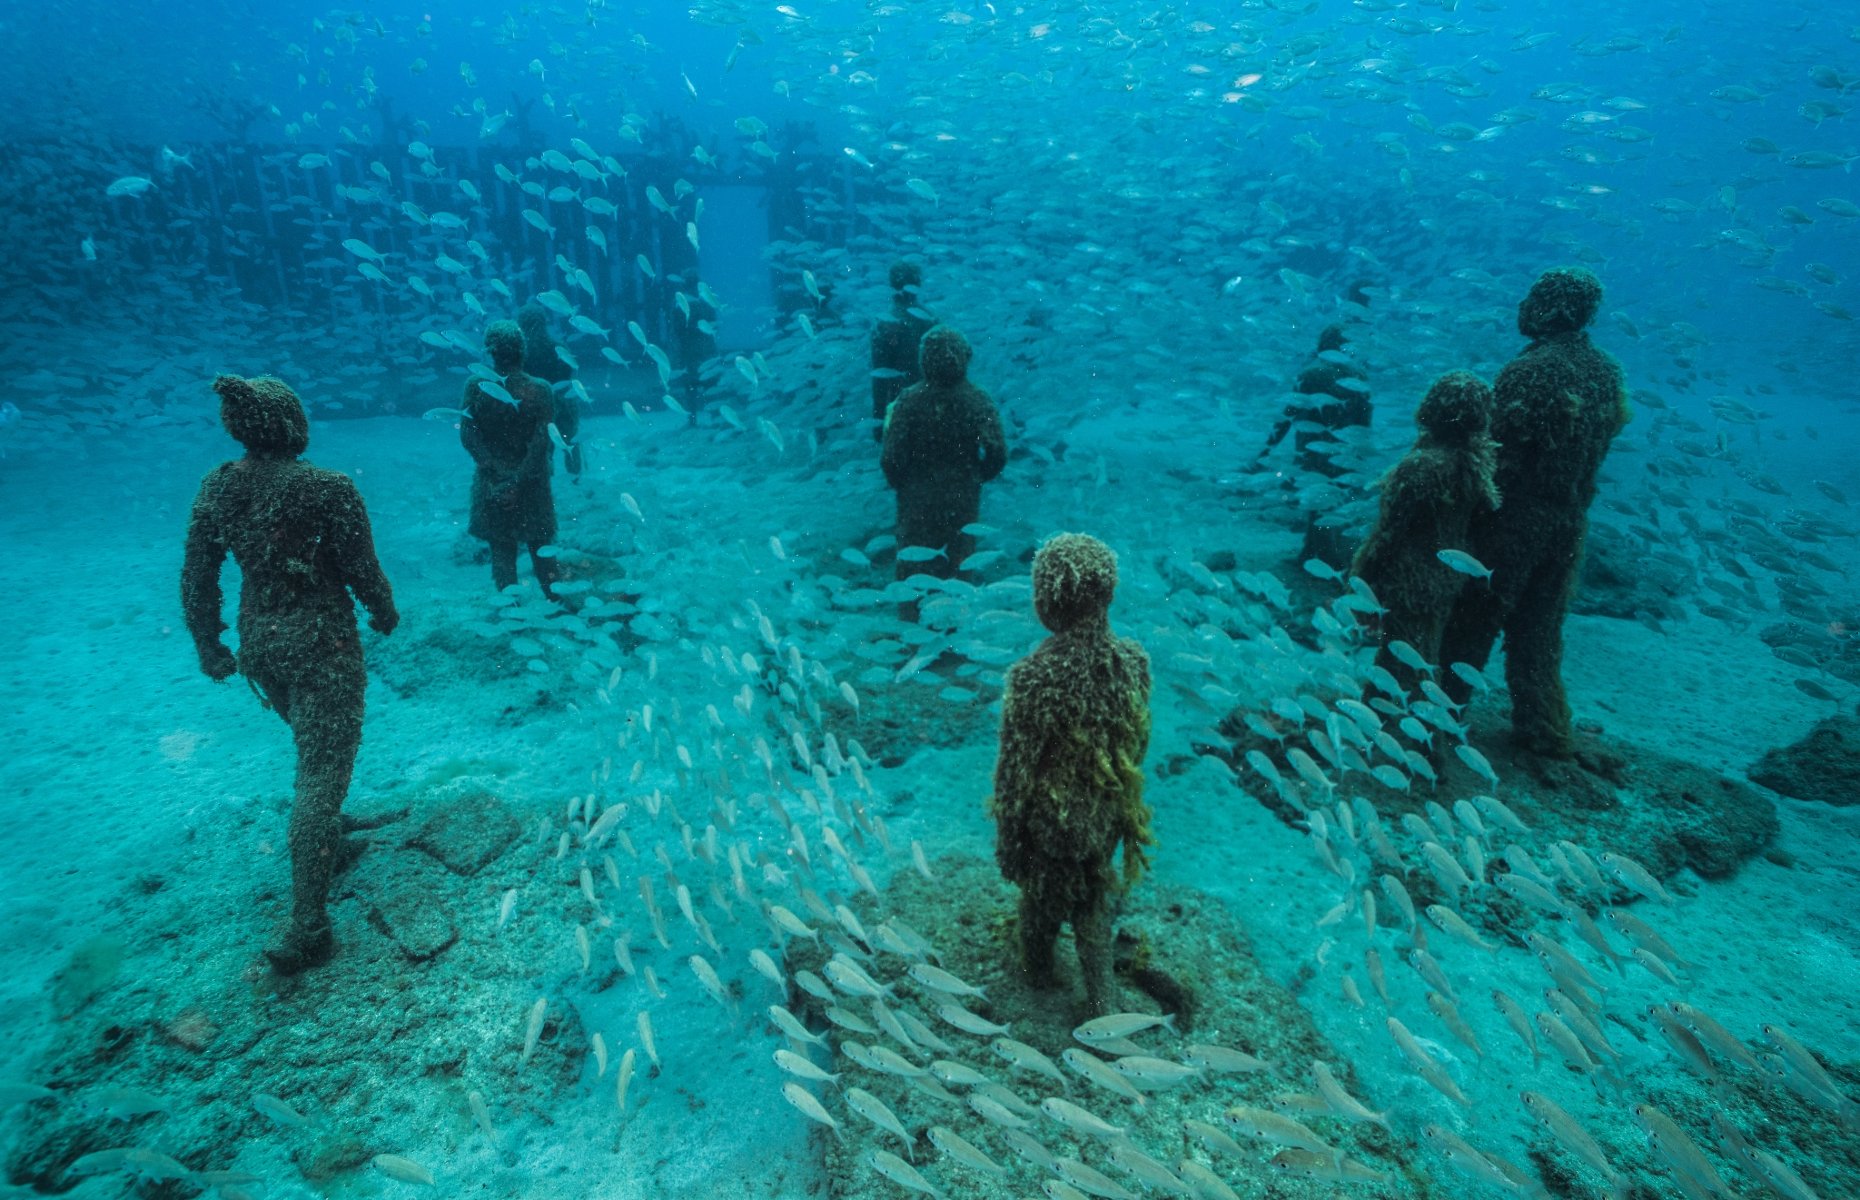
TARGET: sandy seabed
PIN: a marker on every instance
(146, 806)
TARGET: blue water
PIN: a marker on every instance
(1141, 217)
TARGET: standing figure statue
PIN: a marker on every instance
(507, 436)
(542, 359)
(1560, 403)
(1429, 501)
(943, 441)
(895, 340)
(1075, 724)
(1336, 397)
(301, 538)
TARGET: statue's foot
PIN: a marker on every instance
(1039, 977)
(300, 949)
(1597, 761)
(1545, 743)
(374, 820)
(1099, 1003)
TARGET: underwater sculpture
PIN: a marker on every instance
(508, 439)
(1429, 500)
(540, 361)
(1339, 400)
(695, 341)
(895, 340)
(1560, 403)
(301, 538)
(1075, 723)
(943, 441)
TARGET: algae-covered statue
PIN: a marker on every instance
(1560, 403)
(301, 538)
(508, 439)
(1075, 724)
(943, 441)
(541, 361)
(1429, 501)
(895, 340)
(1336, 397)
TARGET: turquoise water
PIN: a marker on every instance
(1141, 218)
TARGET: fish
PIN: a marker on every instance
(875, 1110)
(1222, 1060)
(1277, 1129)
(810, 1107)
(1154, 1176)
(1464, 563)
(900, 1172)
(1340, 1101)
(1425, 1065)
(1076, 1178)
(278, 1111)
(405, 1170)
(1634, 876)
(1519, 1021)
(496, 391)
(23, 1093)
(1116, 1026)
(802, 1068)
(960, 1150)
(1455, 926)
(1570, 1134)
(1203, 1182)
(1672, 1146)
(992, 1110)
(129, 185)
(938, 980)
(1313, 1164)
(1448, 1014)
(1477, 762)
(1154, 1074)
(1026, 1058)
(1099, 1073)
(1806, 1067)
(1479, 1165)
(1078, 1119)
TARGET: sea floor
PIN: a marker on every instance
(145, 808)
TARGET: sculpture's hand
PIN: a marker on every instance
(217, 662)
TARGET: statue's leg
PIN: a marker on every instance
(503, 562)
(1540, 716)
(1091, 928)
(545, 572)
(1471, 631)
(1039, 932)
(326, 723)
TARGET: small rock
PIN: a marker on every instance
(331, 1158)
(92, 969)
(1824, 765)
(192, 1029)
(407, 907)
(467, 834)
